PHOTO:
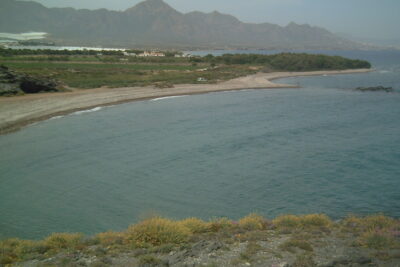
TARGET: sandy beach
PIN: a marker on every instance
(18, 112)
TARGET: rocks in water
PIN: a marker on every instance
(375, 89)
(13, 83)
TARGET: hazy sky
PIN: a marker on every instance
(361, 18)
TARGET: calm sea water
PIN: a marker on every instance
(322, 148)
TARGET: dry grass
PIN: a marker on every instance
(110, 238)
(221, 224)
(13, 250)
(315, 220)
(372, 222)
(250, 252)
(157, 231)
(295, 242)
(162, 235)
(374, 231)
(378, 240)
(287, 221)
(58, 241)
(196, 226)
(252, 222)
(304, 260)
(304, 222)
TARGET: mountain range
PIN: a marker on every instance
(153, 23)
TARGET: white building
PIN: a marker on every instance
(151, 54)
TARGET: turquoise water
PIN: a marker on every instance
(321, 148)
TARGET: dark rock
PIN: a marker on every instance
(31, 85)
(206, 246)
(375, 88)
(362, 260)
(344, 261)
(12, 83)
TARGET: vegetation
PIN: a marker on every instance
(248, 255)
(376, 231)
(157, 236)
(157, 231)
(290, 61)
(94, 75)
(295, 242)
(290, 223)
(92, 69)
(195, 225)
(252, 222)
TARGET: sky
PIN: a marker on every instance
(360, 18)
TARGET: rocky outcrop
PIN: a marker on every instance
(13, 83)
(375, 89)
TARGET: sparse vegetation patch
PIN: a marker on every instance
(253, 239)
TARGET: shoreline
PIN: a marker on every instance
(21, 111)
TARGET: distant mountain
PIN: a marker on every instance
(154, 23)
(379, 43)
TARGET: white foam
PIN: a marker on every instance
(384, 71)
(55, 118)
(166, 97)
(87, 111)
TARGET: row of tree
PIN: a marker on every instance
(288, 61)
(282, 61)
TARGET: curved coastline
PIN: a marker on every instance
(21, 111)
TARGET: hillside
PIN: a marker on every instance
(154, 23)
(287, 241)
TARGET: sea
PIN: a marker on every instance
(321, 148)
